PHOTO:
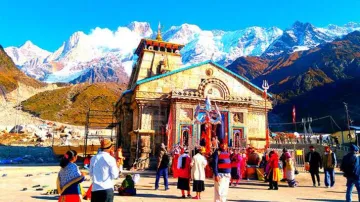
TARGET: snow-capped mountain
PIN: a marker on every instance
(25, 53)
(219, 45)
(303, 36)
(105, 69)
(83, 52)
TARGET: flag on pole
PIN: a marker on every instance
(294, 114)
(168, 131)
(264, 94)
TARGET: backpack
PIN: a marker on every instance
(348, 166)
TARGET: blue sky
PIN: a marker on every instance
(48, 23)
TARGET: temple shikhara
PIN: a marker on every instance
(166, 100)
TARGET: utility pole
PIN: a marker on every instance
(348, 118)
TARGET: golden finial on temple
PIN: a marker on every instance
(158, 36)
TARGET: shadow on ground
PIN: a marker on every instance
(47, 198)
(156, 196)
(317, 199)
(341, 192)
(247, 200)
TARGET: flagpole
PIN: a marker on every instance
(294, 117)
(265, 86)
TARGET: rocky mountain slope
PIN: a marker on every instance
(11, 76)
(317, 80)
(70, 104)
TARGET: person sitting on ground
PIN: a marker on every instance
(127, 187)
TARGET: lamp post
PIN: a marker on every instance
(265, 86)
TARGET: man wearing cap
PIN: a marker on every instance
(222, 168)
(103, 170)
(314, 159)
(329, 163)
(350, 165)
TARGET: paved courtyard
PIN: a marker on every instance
(15, 181)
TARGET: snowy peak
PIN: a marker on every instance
(141, 28)
(75, 48)
(353, 25)
(26, 52)
(182, 34)
(303, 36)
(75, 39)
(302, 26)
(27, 45)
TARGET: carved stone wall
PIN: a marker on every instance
(256, 127)
(135, 118)
(196, 77)
(147, 118)
(186, 114)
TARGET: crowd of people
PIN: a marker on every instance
(103, 168)
(350, 166)
(228, 167)
(310, 139)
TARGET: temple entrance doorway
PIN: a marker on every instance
(238, 138)
(186, 135)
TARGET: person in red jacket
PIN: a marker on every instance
(184, 173)
(274, 171)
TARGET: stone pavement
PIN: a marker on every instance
(256, 191)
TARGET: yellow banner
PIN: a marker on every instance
(299, 152)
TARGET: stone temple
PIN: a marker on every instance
(163, 93)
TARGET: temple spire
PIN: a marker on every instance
(158, 36)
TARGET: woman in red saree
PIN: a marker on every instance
(69, 179)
